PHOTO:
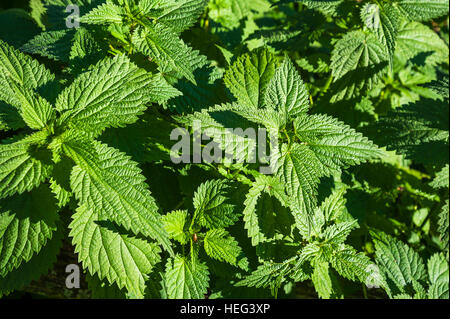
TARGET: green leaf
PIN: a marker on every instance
(357, 55)
(286, 91)
(37, 266)
(338, 233)
(251, 214)
(440, 86)
(186, 279)
(36, 111)
(27, 223)
(21, 168)
(399, 263)
(162, 44)
(249, 77)
(113, 94)
(110, 184)
(300, 170)
(438, 274)
(212, 207)
(354, 265)
(263, 204)
(335, 144)
(106, 250)
(419, 130)
(221, 246)
(355, 50)
(266, 275)
(180, 15)
(175, 224)
(423, 10)
(85, 50)
(443, 224)
(321, 280)
(334, 205)
(442, 178)
(414, 38)
(37, 12)
(105, 13)
(54, 45)
(21, 70)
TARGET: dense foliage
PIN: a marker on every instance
(355, 92)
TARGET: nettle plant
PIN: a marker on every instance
(57, 143)
(280, 210)
(114, 204)
(370, 56)
(89, 106)
(146, 27)
(421, 131)
(405, 274)
(205, 227)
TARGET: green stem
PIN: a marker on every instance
(191, 226)
(365, 291)
(287, 137)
